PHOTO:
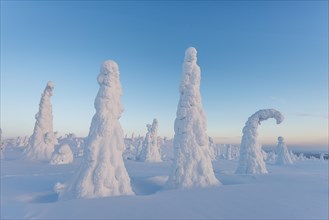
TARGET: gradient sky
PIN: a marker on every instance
(252, 54)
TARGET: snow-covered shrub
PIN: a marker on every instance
(192, 165)
(76, 143)
(213, 151)
(301, 157)
(251, 159)
(43, 140)
(150, 150)
(283, 153)
(62, 155)
(293, 156)
(22, 141)
(271, 157)
(102, 172)
(129, 152)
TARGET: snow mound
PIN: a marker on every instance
(192, 165)
(251, 159)
(102, 172)
(283, 153)
(63, 155)
(43, 140)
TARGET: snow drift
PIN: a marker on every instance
(251, 160)
(102, 172)
(43, 140)
(192, 165)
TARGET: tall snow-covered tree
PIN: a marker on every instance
(283, 153)
(251, 160)
(43, 140)
(151, 151)
(102, 172)
(192, 165)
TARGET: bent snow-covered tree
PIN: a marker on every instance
(43, 140)
(251, 160)
(192, 165)
(151, 151)
(283, 153)
(102, 172)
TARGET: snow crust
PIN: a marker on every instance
(283, 153)
(192, 165)
(43, 140)
(150, 150)
(63, 155)
(102, 172)
(251, 160)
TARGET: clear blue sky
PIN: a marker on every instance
(252, 54)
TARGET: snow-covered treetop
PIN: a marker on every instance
(262, 115)
(280, 139)
(108, 70)
(49, 88)
(190, 84)
(108, 102)
(155, 125)
(190, 55)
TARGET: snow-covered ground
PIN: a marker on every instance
(297, 191)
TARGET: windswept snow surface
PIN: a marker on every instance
(251, 159)
(297, 191)
(102, 172)
(192, 164)
(43, 140)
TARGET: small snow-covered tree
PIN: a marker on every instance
(283, 153)
(192, 165)
(43, 140)
(151, 150)
(251, 160)
(102, 172)
(212, 149)
(228, 155)
(62, 155)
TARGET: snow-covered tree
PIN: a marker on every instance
(212, 148)
(102, 172)
(283, 153)
(228, 155)
(251, 160)
(151, 149)
(192, 165)
(22, 141)
(62, 155)
(43, 140)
